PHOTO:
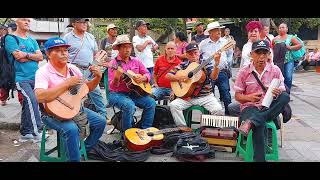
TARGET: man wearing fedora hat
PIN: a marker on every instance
(53, 79)
(144, 46)
(250, 95)
(122, 97)
(210, 46)
(200, 33)
(81, 53)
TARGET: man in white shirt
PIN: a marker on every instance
(210, 46)
(144, 46)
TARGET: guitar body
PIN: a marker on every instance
(141, 89)
(185, 89)
(71, 106)
(138, 140)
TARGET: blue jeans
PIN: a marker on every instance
(288, 73)
(30, 116)
(127, 103)
(95, 96)
(70, 133)
(159, 92)
(224, 89)
(151, 74)
(259, 118)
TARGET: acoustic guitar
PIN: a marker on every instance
(142, 139)
(67, 105)
(195, 74)
(141, 89)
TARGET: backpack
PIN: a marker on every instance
(192, 148)
(116, 121)
(298, 54)
(7, 69)
(162, 117)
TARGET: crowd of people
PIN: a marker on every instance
(70, 62)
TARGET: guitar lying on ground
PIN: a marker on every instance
(142, 139)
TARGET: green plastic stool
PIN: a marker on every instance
(246, 148)
(44, 156)
(188, 116)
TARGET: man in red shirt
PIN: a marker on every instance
(164, 64)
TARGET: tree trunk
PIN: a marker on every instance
(132, 28)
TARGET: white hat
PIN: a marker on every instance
(213, 25)
(111, 26)
(121, 39)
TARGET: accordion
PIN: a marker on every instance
(220, 130)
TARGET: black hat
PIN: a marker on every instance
(261, 44)
(192, 46)
(80, 19)
(141, 22)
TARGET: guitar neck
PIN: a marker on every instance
(166, 130)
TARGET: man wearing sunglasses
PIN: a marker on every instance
(250, 95)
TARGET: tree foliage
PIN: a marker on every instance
(162, 26)
(293, 23)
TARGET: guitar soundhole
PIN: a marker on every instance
(74, 90)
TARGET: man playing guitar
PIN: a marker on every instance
(202, 95)
(54, 79)
(120, 95)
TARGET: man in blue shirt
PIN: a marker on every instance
(26, 55)
(81, 53)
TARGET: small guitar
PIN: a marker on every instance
(142, 139)
(196, 75)
(142, 89)
(67, 105)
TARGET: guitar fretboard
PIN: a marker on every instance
(166, 130)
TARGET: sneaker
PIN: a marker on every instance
(37, 138)
(25, 138)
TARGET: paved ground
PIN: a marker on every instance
(302, 133)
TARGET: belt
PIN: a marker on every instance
(81, 67)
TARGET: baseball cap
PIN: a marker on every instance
(55, 42)
(191, 46)
(80, 19)
(141, 22)
(111, 26)
(261, 44)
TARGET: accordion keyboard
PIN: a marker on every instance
(219, 121)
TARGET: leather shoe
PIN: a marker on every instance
(245, 127)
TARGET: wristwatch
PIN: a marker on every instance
(27, 56)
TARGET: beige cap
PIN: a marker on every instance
(111, 26)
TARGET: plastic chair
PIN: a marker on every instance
(188, 115)
(44, 156)
(245, 147)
